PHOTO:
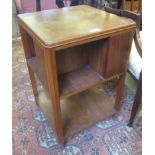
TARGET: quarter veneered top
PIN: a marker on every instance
(63, 26)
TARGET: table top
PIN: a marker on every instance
(57, 27)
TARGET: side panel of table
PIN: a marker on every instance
(118, 53)
(29, 53)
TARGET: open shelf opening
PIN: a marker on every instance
(79, 111)
(80, 68)
(77, 81)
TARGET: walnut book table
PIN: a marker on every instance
(72, 50)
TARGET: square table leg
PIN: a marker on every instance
(50, 64)
(119, 92)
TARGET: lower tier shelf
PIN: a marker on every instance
(79, 111)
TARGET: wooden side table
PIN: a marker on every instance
(72, 50)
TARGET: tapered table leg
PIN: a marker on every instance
(34, 84)
(119, 92)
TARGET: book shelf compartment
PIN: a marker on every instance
(73, 82)
(78, 81)
(81, 105)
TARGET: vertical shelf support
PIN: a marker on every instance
(50, 64)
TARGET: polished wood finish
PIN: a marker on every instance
(77, 81)
(40, 64)
(50, 65)
(96, 24)
(71, 58)
(133, 5)
(79, 111)
(115, 62)
(27, 44)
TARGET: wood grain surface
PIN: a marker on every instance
(80, 111)
(71, 25)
